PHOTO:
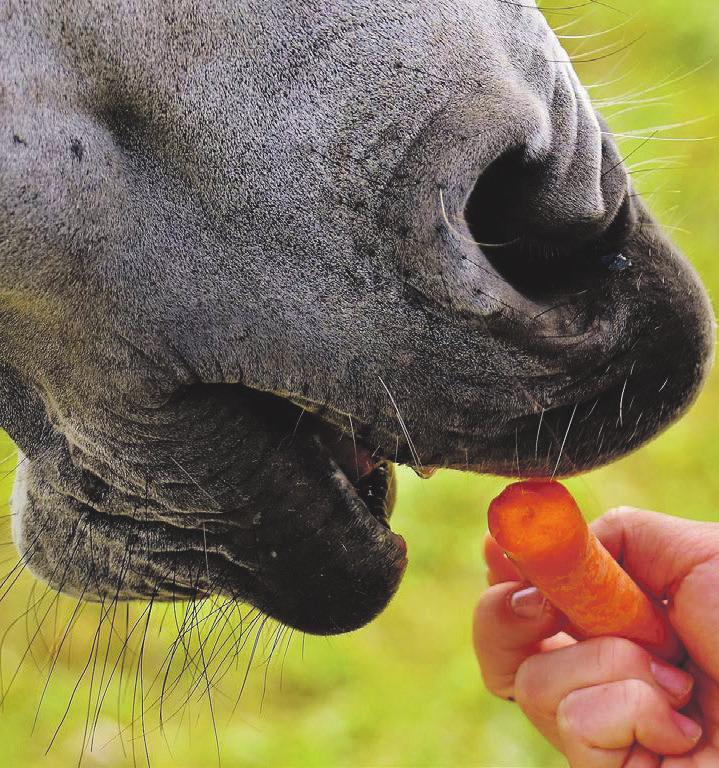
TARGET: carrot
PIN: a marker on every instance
(539, 525)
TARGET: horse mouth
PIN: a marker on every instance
(364, 477)
(374, 490)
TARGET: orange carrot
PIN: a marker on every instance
(538, 524)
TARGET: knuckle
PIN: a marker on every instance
(569, 720)
(623, 514)
(501, 686)
(529, 682)
(616, 655)
(636, 696)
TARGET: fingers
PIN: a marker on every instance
(499, 567)
(509, 622)
(599, 725)
(606, 702)
(544, 680)
(705, 701)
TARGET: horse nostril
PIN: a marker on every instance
(536, 259)
(493, 209)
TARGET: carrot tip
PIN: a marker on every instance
(541, 529)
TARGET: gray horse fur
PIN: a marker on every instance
(242, 268)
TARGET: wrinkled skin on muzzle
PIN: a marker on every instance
(253, 255)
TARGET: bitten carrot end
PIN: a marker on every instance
(540, 527)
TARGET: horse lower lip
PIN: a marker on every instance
(401, 559)
(373, 489)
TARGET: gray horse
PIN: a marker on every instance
(255, 252)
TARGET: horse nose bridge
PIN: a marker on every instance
(579, 178)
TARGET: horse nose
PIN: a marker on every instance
(556, 206)
(569, 196)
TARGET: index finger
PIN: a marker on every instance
(500, 567)
(503, 639)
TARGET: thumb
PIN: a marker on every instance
(675, 560)
(658, 551)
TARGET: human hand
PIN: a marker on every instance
(607, 702)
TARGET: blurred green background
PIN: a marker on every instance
(404, 691)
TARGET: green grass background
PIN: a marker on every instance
(405, 691)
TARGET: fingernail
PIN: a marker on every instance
(528, 603)
(689, 728)
(675, 681)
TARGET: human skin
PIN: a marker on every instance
(607, 702)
